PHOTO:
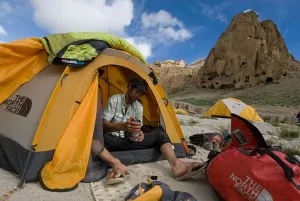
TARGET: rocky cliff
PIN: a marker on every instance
(196, 64)
(177, 75)
(247, 54)
(175, 79)
(168, 63)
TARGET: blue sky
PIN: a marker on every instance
(160, 29)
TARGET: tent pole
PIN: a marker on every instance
(22, 179)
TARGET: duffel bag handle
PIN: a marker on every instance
(289, 173)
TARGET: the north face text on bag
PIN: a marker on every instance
(249, 189)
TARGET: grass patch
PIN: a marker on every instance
(288, 133)
(180, 122)
(283, 97)
(273, 123)
(192, 122)
(200, 102)
(181, 93)
(287, 150)
(291, 151)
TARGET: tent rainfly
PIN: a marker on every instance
(224, 108)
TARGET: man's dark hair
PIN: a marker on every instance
(139, 83)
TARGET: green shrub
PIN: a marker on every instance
(289, 133)
(274, 123)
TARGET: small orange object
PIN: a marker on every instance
(185, 147)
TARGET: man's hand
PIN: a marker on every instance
(141, 137)
(118, 170)
(132, 126)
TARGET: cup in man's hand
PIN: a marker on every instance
(135, 136)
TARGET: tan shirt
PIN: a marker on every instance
(115, 111)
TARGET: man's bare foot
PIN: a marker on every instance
(180, 168)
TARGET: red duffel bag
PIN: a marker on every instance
(257, 175)
(247, 169)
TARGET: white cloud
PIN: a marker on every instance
(161, 18)
(250, 10)
(117, 17)
(83, 16)
(1, 41)
(2, 31)
(247, 10)
(4, 8)
(178, 35)
(162, 26)
(213, 12)
(88, 16)
(142, 45)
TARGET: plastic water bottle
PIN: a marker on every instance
(135, 136)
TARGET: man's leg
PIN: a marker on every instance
(159, 137)
(178, 167)
(114, 143)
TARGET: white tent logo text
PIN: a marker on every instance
(249, 189)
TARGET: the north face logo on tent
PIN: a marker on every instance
(21, 105)
(249, 189)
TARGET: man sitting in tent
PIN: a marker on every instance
(120, 120)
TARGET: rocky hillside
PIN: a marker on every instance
(168, 63)
(247, 54)
(196, 64)
(177, 75)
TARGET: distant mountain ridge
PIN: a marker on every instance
(179, 63)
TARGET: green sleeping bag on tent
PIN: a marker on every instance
(78, 49)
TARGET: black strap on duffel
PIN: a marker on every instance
(289, 173)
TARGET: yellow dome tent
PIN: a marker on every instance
(51, 90)
(224, 108)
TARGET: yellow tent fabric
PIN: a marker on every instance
(70, 160)
(224, 108)
(153, 194)
(20, 62)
